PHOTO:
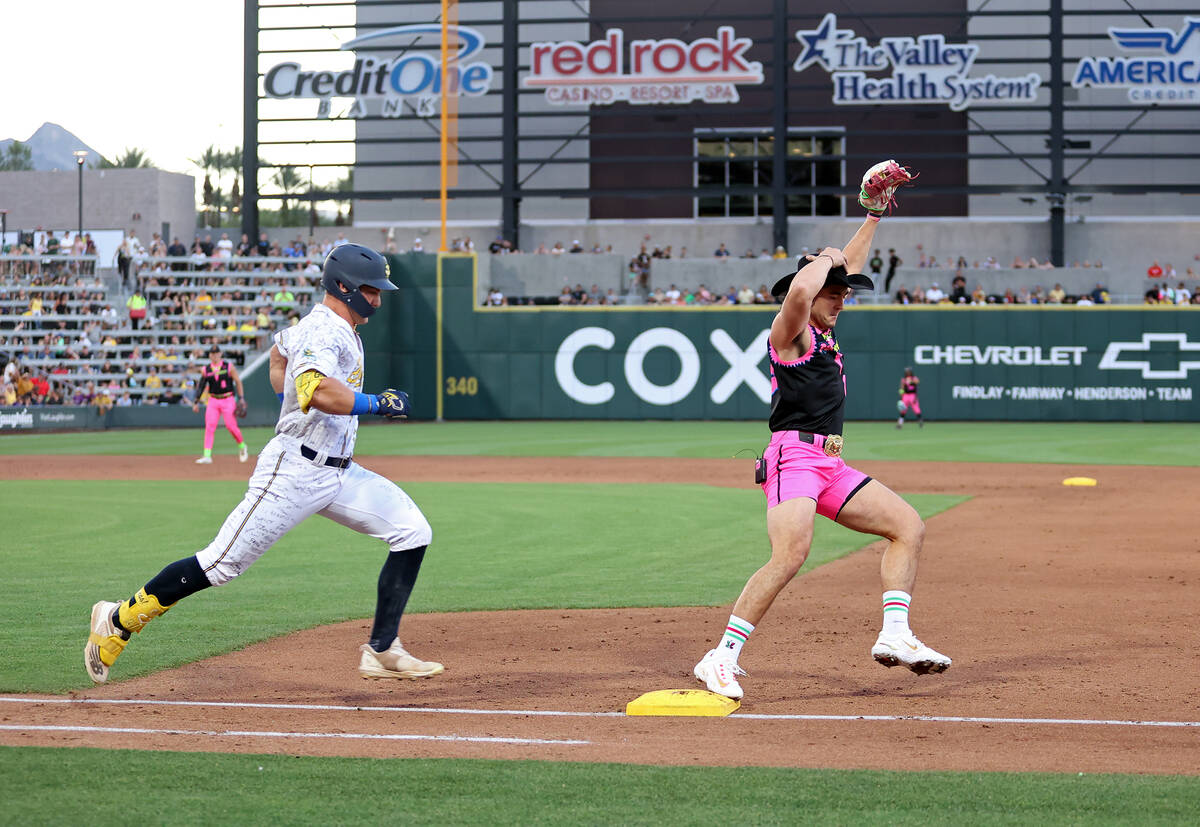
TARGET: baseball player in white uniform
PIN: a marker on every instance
(306, 469)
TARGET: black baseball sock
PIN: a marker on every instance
(396, 581)
(172, 584)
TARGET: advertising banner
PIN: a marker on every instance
(1019, 363)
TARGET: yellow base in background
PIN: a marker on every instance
(693, 702)
(1087, 481)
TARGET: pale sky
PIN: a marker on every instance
(160, 75)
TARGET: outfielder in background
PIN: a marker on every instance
(306, 469)
(908, 399)
(804, 472)
(220, 380)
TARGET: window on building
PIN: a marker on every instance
(745, 161)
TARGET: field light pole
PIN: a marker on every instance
(80, 155)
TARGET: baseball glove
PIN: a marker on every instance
(879, 185)
(239, 410)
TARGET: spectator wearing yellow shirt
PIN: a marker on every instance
(203, 303)
(153, 383)
(137, 304)
(284, 300)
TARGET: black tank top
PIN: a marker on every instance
(910, 385)
(809, 394)
(220, 381)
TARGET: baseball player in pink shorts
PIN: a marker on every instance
(908, 399)
(805, 474)
(221, 380)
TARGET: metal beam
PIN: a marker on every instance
(250, 121)
(1057, 183)
(510, 187)
(779, 61)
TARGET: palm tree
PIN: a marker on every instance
(345, 184)
(132, 158)
(207, 161)
(18, 156)
(287, 179)
(233, 160)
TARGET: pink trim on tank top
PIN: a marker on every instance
(804, 357)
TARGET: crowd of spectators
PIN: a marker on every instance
(64, 340)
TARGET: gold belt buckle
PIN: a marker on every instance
(833, 445)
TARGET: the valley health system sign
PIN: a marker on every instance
(1172, 76)
(666, 71)
(411, 75)
(926, 69)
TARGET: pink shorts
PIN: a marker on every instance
(910, 402)
(799, 469)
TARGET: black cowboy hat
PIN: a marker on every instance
(837, 275)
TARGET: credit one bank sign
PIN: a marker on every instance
(409, 75)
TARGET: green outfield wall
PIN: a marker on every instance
(1042, 363)
(462, 361)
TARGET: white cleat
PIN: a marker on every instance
(395, 663)
(906, 650)
(243, 453)
(204, 461)
(719, 675)
(105, 642)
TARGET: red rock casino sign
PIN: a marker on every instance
(658, 72)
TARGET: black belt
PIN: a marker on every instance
(332, 462)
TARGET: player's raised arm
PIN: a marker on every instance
(792, 320)
(877, 195)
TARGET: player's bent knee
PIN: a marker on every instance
(411, 536)
(221, 573)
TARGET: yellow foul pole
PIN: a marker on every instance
(445, 119)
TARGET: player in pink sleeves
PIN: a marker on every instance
(908, 399)
(221, 380)
(804, 473)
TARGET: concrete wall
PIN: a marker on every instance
(111, 198)
(1126, 247)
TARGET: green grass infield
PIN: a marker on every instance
(1103, 443)
(64, 786)
(533, 546)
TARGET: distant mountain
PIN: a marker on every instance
(53, 148)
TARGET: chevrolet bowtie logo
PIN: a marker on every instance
(1112, 356)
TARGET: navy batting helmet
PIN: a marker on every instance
(350, 266)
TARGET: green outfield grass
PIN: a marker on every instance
(525, 546)
(1103, 443)
(62, 786)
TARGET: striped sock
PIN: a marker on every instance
(737, 632)
(895, 613)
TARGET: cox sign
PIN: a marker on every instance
(411, 73)
(741, 366)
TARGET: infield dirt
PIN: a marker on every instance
(1072, 604)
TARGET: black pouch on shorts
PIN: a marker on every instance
(760, 470)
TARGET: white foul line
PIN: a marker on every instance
(948, 719)
(371, 736)
(316, 707)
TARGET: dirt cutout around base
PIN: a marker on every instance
(1069, 612)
